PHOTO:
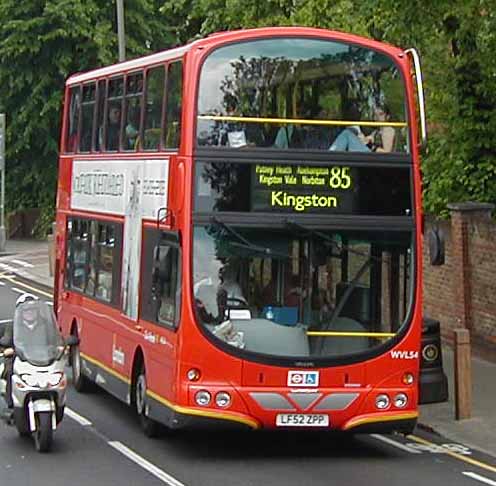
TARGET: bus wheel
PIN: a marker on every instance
(81, 383)
(149, 426)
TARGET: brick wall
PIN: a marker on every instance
(462, 292)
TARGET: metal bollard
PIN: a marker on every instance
(433, 380)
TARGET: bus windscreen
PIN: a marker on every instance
(301, 93)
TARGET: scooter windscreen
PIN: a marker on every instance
(36, 336)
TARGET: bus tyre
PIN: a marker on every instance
(149, 426)
(81, 383)
(43, 434)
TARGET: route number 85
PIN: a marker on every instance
(340, 178)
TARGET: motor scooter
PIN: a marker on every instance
(37, 355)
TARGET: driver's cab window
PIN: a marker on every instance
(161, 289)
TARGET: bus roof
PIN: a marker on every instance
(222, 37)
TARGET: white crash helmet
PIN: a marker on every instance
(25, 298)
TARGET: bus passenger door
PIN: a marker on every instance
(160, 296)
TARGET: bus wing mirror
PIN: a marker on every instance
(436, 246)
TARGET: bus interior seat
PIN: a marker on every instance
(264, 336)
(207, 295)
(357, 306)
(338, 346)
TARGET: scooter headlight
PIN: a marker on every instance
(30, 380)
(55, 378)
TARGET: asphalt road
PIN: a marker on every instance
(99, 442)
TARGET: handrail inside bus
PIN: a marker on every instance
(351, 334)
(301, 121)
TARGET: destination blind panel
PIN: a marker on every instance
(302, 189)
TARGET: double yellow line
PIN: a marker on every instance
(12, 279)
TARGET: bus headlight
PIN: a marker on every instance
(223, 399)
(400, 400)
(382, 402)
(203, 398)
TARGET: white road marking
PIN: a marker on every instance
(78, 418)
(151, 468)
(482, 479)
(398, 445)
(3, 321)
(23, 263)
(48, 303)
(19, 291)
(2, 284)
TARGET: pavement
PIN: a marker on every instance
(28, 260)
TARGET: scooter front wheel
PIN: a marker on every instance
(43, 434)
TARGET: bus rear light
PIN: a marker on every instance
(193, 374)
(223, 399)
(382, 401)
(408, 378)
(400, 400)
(203, 398)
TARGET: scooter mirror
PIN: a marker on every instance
(71, 340)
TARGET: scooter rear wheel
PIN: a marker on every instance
(43, 434)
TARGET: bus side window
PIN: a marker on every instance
(73, 119)
(114, 114)
(174, 105)
(133, 103)
(154, 95)
(87, 114)
(100, 114)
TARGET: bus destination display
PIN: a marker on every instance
(302, 188)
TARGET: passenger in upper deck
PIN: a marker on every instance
(352, 139)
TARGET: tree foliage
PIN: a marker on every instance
(43, 41)
(456, 40)
(41, 44)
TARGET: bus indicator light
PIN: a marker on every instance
(408, 379)
(194, 374)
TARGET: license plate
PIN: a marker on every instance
(302, 420)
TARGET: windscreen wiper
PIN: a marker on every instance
(339, 246)
(247, 244)
(333, 244)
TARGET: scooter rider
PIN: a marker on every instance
(29, 320)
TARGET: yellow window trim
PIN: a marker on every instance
(301, 121)
(351, 334)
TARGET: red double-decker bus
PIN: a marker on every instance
(239, 232)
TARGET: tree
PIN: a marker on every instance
(456, 40)
(41, 44)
